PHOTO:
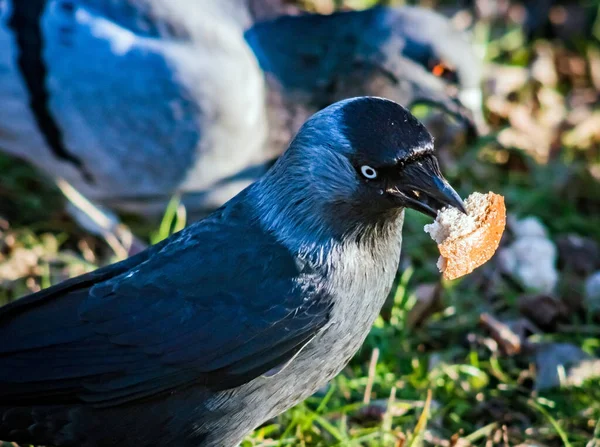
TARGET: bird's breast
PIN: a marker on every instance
(362, 284)
(359, 285)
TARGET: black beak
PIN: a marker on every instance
(421, 186)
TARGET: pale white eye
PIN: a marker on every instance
(368, 172)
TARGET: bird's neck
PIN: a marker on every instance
(318, 232)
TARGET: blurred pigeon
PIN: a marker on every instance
(131, 102)
(204, 336)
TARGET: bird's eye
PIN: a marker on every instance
(439, 69)
(368, 172)
(442, 70)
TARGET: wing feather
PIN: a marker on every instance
(182, 313)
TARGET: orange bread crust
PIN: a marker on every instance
(462, 255)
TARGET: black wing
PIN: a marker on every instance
(217, 305)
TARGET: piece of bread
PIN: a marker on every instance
(468, 241)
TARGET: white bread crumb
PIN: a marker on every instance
(451, 223)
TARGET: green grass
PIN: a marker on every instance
(478, 395)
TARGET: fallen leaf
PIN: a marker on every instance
(508, 341)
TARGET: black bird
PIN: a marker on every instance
(132, 101)
(202, 337)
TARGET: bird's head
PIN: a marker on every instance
(357, 164)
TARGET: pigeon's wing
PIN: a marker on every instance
(93, 91)
(217, 306)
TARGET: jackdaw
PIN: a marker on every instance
(202, 337)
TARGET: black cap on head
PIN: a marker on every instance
(398, 154)
(383, 132)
